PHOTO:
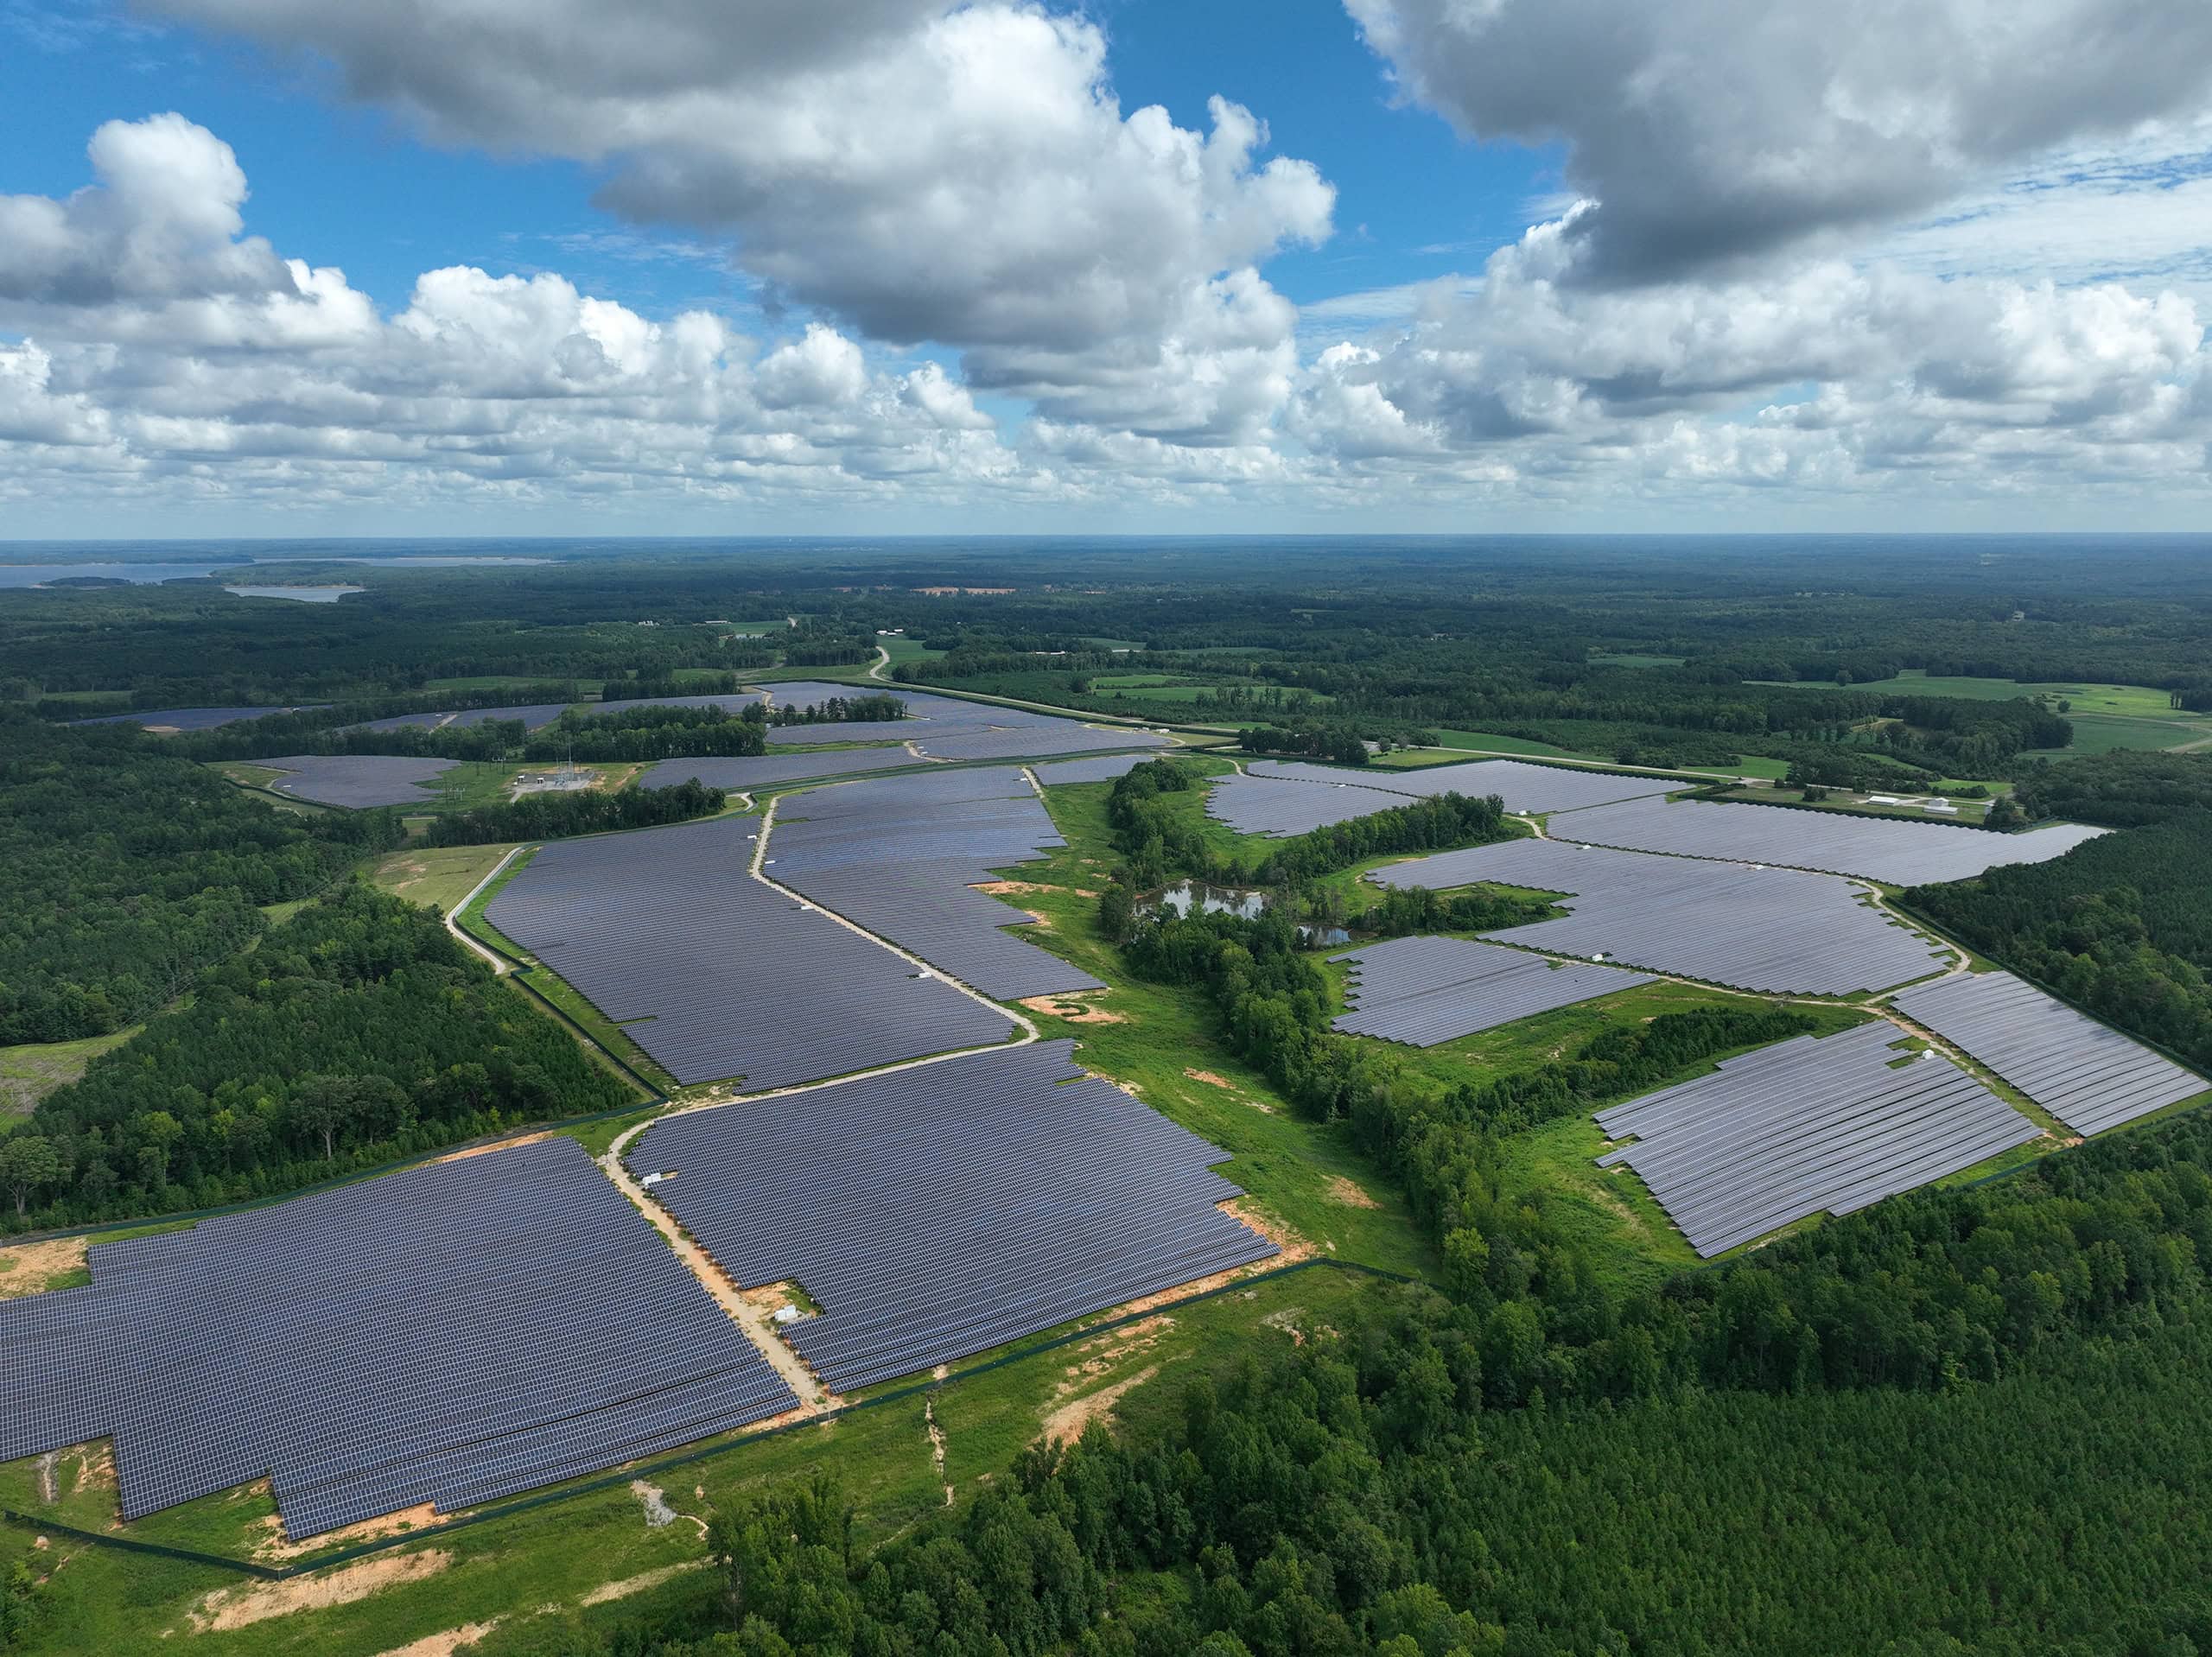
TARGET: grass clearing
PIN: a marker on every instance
(29, 1072)
(2103, 734)
(1631, 659)
(1492, 742)
(440, 876)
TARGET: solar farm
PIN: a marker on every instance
(1286, 798)
(1781, 931)
(902, 856)
(940, 1211)
(2089, 1076)
(668, 934)
(889, 1147)
(1424, 991)
(448, 1334)
(1880, 848)
(1817, 1125)
(356, 780)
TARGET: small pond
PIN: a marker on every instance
(1246, 903)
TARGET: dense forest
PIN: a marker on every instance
(356, 1031)
(2120, 789)
(130, 870)
(1818, 1449)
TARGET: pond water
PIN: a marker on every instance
(1247, 903)
(137, 575)
(302, 595)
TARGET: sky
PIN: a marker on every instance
(506, 267)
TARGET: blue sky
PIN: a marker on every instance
(741, 300)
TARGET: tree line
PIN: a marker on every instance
(356, 1031)
(556, 816)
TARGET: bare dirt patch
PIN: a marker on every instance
(1293, 1246)
(1012, 888)
(236, 1608)
(1074, 1010)
(445, 1642)
(639, 1584)
(1068, 1422)
(1351, 1195)
(1212, 1078)
(467, 1152)
(936, 1441)
(95, 1466)
(27, 1268)
(273, 1543)
(1287, 1321)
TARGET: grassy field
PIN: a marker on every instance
(1747, 764)
(439, 876)
(903, 649)
(2105, 716)
(1621, 659)
(2102, 733)
(1496, 744)
(29, 1072)
(506, 681)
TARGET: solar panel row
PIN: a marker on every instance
(2089, 1077)
(901, 856)
(1105, 768)
(1775, 930)
(1818, 1125)
(1293, 797)
(715, 973)
(191, 719)
(947, 728)
(942, 1210)
(743, 773)
(357, 779)
(1427, 990)
(1903, 853)
(450, 1333)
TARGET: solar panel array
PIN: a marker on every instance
(715, 973)
(1293, 797)
(1881, 848)
(1524, 788)
(1823, 1124)
(1775, 930)
(1105, 768)
(452, 1334)
(191, 719)
(1423, 991)
(744, 772)
(2089, 1077)
(938, 1211)
(900, 856)
(734, 704)
(946, 727)
(1022, 742)
(357, 779)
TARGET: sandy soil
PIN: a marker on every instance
(1212, 1079)
(1012, 888)
(1074, 1009)
(445, 1644)
(236, 1608)
(27, 1268)
(467, 1152)
(1069, 1421)
(639, 1584)
(1293, 1246)
(1349, 1194)
(273, 1543)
